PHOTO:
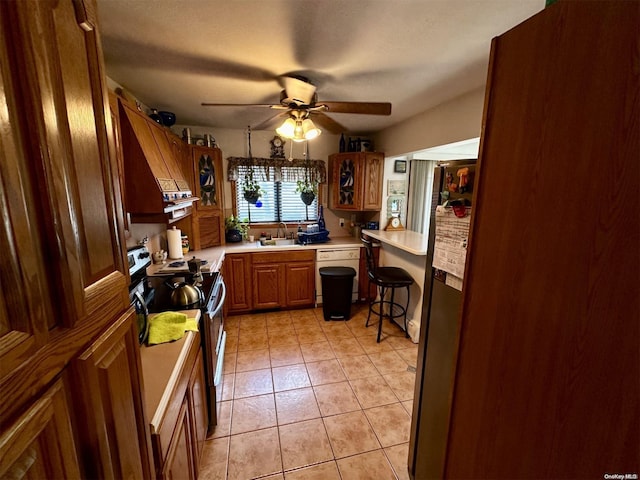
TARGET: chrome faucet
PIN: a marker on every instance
(278, 230)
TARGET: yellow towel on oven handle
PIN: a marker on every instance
(169, 326)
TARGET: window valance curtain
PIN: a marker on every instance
(278, 169)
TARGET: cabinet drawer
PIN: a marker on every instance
(288, 256)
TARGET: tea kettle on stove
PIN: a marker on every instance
(185, 296)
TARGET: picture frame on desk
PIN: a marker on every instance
(400, 166)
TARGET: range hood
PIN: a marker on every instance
(156, 190)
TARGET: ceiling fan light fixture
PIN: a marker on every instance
(287, 129)
(310, 130)
(298, 129)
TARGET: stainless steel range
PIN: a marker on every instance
(141, 294)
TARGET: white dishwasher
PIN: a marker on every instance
(337, 257)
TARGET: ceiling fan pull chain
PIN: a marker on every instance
(291, 152)
(249, 137)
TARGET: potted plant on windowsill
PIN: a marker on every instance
(308, 191)
(235, 229)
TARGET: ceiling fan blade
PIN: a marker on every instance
(270, 122)
(368, 108)
(261, 105)
(327, 123)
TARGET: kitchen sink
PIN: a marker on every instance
(278, 242)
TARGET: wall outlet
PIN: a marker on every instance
(342, 222)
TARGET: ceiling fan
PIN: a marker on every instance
(299, 101)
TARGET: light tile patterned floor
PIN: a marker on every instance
(308, 399)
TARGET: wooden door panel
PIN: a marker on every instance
(40, 444)
(85, 210)
(179, 464)
(210, 225)
(268, 286)
(237, 274)
(346, 181)
(208, 177)
(372, 184)
(197, 397)
(142, 133)
(300, 284)
(109, 405)
(547, 377)
(167, 152)
(25, 313)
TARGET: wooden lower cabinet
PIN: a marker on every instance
(40, 443)
(261, 281)
(268, 282)
(289, 283)
(237, 277)
(197, 409)
(300, 290)
(176, 397)
(366, 291)
(180, 461)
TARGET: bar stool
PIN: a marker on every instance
(386, 278)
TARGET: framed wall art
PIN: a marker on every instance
(400, 166)
(396, 187)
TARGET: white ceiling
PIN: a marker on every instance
(173, 55)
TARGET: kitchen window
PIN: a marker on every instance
(279, 201)
(278, 178)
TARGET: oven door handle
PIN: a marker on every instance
(221, 299)
(143, 304)
(219, 367)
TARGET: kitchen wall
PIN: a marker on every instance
(452, 121)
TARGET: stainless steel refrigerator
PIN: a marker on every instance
(438, 333)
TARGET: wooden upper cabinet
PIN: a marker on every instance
(81, 201)
(356, 181)
(149, 145)
(182, 154)
(114, 112)
(61, 201)
(372, 182)
(207, 181)
(207, 177)
(141, 151)
(25, 313)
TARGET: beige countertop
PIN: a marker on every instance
(411, 242)
(215, 255)
(161, 363)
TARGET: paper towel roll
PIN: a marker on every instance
(174, 242)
